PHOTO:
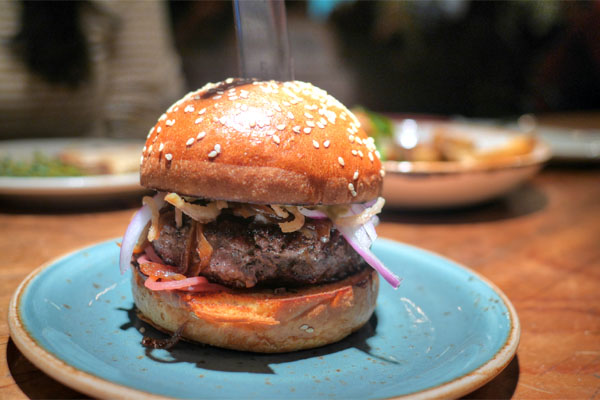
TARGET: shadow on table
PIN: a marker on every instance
(502, 386)
(34, 383)
(525, 200)
(213, 358)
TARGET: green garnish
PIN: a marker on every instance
(381, 130)
(41, 166)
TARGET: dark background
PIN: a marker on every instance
(471, 58)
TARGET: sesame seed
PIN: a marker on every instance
(158, 129)
(382, 172)
(310, 123)
(169, 156)
(341, 161)
(212, 154)
(202, 111)
(276, 139)
(161, 147)
(355, 177)
(229, 80)
(244, 94)
(351, 187)
(222, 120)
(326, 143)
(323, 121)
(307, 130)
(285, 103)
(360, 154)
(280, 127)
(141, 159)
(354, 153)
(320, 125)
(353, 193)
(162, 117)
(277, 107)
(351, 138)
(307, 115)
(316, 144)
(261, 124)
(189, 141)
(188, 108)
(150, 133)
(296, 129)
(232, 98)
(150, 149)
(351, 131)
(218, 148)
(198, 120)
(290, 115)
(310, 330)
(358, 140)
(378, 154)
(252, 124)
(343, 115)
(217, 97)
(371, 157)
(144, 149)
(200, 135)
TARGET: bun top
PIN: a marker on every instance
(262, 142)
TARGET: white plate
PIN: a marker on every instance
(70, 187)
(571, 144)
(429, 185)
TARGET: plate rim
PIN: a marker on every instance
(93, 385)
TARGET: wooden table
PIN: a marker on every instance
(540, 245)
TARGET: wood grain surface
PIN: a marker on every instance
(540, 244)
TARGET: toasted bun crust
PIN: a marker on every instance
(262, 142)
(262, 321)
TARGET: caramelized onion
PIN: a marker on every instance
(202, 214)
(157, 270)
(295, 224)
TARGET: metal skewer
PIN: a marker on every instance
(263, 45)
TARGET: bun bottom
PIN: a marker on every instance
(263, 321)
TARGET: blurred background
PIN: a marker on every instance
(471, 58)
(109, 68)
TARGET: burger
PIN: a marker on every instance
(258, 236)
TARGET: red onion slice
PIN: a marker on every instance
(360, 237)
(134, 230)
(356, 241)
(314, 214)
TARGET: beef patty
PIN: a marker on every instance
(247, 253)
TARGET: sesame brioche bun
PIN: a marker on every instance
(262, 142)
(263, 320)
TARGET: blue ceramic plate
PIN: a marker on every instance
(445, 332)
